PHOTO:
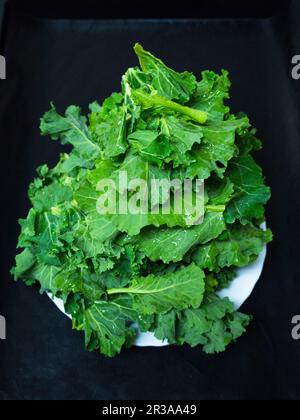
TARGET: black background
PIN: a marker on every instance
(77, 61)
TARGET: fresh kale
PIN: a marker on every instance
(119, 273)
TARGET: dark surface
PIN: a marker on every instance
(79, 61)
(153, 9)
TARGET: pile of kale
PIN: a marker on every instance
(123, 273)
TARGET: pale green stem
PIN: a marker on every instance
(156, 100)
(219, 208)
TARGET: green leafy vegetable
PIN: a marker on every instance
(167, 82)
(237, 248)
(158, 270)
(214, 325)
(159, 294)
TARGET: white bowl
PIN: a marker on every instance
(239, 290)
